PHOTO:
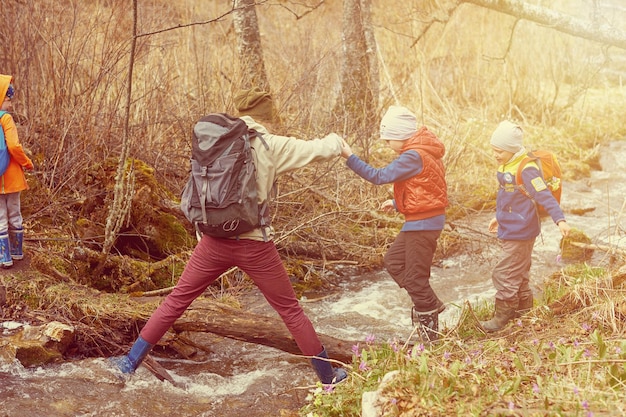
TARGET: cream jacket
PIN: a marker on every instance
(285, 154)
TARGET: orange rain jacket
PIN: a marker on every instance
(13, 179)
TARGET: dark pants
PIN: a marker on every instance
(261, 262)
(408, 261)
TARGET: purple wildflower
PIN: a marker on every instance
(355, 350)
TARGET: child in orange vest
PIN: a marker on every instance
(420, 195)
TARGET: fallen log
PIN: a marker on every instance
(226, 321)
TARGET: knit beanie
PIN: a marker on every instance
(398, 124)
(256, 103)
(508, 136)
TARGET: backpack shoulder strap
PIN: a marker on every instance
(259, 135)
(530, 157)
(2, 113)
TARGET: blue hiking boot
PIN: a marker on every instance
(16, 240)
(5, 250)
(128, 363)
(325, 371)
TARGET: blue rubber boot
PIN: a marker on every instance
(16, 240)
(128, 363)
(5, 250)
(325, 371)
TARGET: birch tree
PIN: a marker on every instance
(249, 47)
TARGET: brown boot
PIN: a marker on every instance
(505, 311)
(526, 303)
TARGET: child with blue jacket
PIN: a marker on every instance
(517, 224)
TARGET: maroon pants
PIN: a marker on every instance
(261, 262)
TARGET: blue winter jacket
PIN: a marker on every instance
(516, 213)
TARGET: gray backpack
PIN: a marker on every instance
(220, 198)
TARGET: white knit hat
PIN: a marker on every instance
(508, 136)
(398, 124)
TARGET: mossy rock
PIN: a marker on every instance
(155, 227)
(573, 247)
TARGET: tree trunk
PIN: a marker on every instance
(219, 319)
(357, 104)
(249, 46)
(371, 52)
(594, 31)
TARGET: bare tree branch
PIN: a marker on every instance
(593, 31)
(203, 22)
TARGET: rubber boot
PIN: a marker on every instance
(16, 240)
(428, 323)
(128, 363)
(5, 250)
(526, 303)
(325, 371)
(505, 311)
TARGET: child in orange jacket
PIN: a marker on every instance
(12, 182)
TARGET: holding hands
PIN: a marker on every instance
(346, 151)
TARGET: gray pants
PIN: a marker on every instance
(10, 212)
(511, 275)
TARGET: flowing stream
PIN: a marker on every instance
(241, 378)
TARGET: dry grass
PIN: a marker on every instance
(552, 361)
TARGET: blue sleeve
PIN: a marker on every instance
(405, 166)
(539, 191)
